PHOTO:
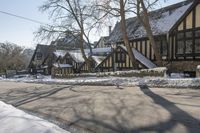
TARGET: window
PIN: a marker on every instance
(180, 36)
(39, 56)
(197, 46)
(180, 47)
(197, 33)
(188, 34)
(188, 49)
(164, 47)
(120, 57)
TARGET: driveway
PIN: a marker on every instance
(108, 108)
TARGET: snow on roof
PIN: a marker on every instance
(101, 50)
(77, 56)
(141, 58)
(58, 65)
(161, 21)
(44, 66)
(60, 53)
(96, 50)
(98, 59)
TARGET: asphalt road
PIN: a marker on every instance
(108, 108)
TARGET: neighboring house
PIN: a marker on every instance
(176, 29)
(40, 53)
(75, 62)
(54, 57)
(102, 42)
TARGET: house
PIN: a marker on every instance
(55, 57)
(40, 53)
(46, 55)
(73, 62)
(102, 42)
(176, 29)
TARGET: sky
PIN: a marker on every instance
(21, 31)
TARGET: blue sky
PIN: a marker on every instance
(21, 31)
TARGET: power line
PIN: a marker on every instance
(21, 17)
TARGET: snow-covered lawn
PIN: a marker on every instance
(13, 120)
(176, 81)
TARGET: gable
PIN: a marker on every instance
(191, 18)
(161, 21)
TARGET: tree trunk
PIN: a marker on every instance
(125, 36)
(87, 60)
(146, 24)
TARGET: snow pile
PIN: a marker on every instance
(178, 75)
(121, 81)
(13, 120)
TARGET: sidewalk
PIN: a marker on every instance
(13, 120)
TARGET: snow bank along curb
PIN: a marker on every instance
(121, 81)
(13, 120)
(155, 72)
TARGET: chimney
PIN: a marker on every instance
(110, 29)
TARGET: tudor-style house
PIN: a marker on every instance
(40, 53)
(176, 29)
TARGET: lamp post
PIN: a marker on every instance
(113, 46)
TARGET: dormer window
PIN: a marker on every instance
(39, 56)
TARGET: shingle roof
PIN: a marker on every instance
(161, 21)
(68, 42)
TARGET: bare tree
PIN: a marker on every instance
(125, 35)
(11, 57)
(141, 10)
(117, 8)
(70, 17)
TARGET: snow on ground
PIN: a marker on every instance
(13, 120)
(175, 82)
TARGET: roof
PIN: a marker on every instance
(76, 55)
(104, 38)
(58, 65)
(68, 42)
(96, 50)
(161, 21)
(60, 53)
(141, 58)
(44, 49)
(98, 59)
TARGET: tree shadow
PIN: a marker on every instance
(120, 123)
(178, 116)
(86, 116)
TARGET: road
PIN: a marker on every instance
(108, 108)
